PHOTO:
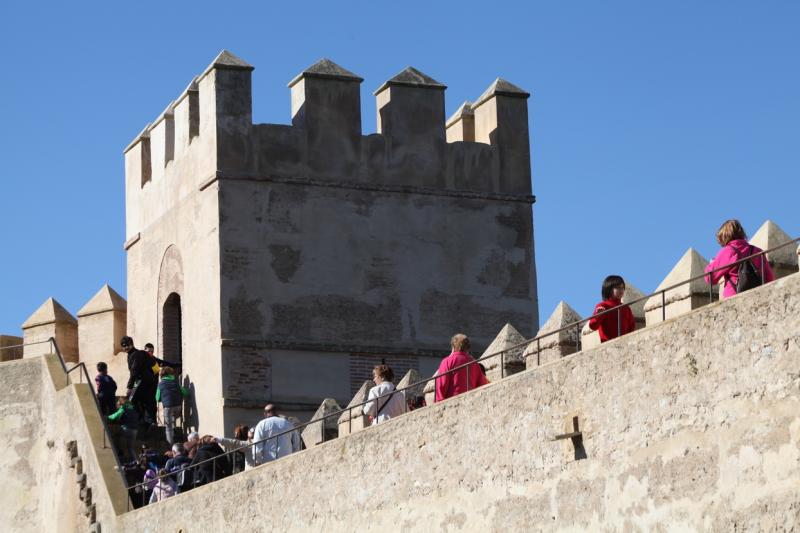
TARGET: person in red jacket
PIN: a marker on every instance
(606, 325)
(471, 376)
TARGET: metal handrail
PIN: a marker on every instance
(501, 353)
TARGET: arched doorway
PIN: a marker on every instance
(172, 329)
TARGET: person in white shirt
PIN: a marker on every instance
(274, 447)
(384, 402)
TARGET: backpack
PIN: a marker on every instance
(748, 276)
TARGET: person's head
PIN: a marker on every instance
(166, 371)
(177, 449)
(102, 368)
(459, 343)
(251, 433)
(162, 472)
(613, 287)
(270, 410)
(208, 439)
(240, 432)
(126, 343)
(730, 230)
(149, 348)
(381, 373)
(193, 436)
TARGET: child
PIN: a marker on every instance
(607, 325)
(732, 238)
(164, 488)
(171, 395)
(106, 389)
(128, 417)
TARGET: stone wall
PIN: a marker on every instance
(41, 413)
(691, 424)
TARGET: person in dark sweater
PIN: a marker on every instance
(171, 395)
(106, 389)
(212, 470)
(141, 388)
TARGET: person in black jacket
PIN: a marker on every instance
(212, 470)
(142, 382)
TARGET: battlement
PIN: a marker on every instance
(207, 134)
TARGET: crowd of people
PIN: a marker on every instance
(201, 460)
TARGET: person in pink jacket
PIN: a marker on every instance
(732, 238)
(467, 378)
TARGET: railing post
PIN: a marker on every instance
(538, 351)
(663, 306)
(214, 469)
(619, 321)
(502, 365)
(468, 382)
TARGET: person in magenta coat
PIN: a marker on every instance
(462, 380)
(732, 238)
(606, 325)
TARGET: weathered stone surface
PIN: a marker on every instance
(7, 353)
(461, 124)
(52, 426)
(414, 394)
(324, 430)
(102, 322)
(354, 419)
(686, 297)
(553, 346)
(51, 319)
(283, 249)
(689, 425)
(783, 260)
(512, 360)
(590, 338)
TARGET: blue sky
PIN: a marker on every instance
(651, 122)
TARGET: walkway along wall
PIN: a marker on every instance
(693, 422)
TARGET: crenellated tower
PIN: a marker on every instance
(280, 262)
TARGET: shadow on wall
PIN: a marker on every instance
(191, 419)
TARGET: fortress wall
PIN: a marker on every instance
(40, 414)
(694, 422)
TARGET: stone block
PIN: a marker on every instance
(554, 346)
(324, 430)
(784, 260)
(51, 319)
(7, 353)
(683, 298)
(461, 124)
(354, 419)
(512, 360)
(415, 395)
(102, 323)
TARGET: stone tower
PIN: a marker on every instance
(280, 262)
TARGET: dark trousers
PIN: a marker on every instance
(144, 400)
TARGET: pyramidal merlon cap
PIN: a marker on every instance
(508, 337)
(770, 235)
(464, 110)
(501, 87)
(411, 77)
(106, 299)
(360, 397)
(325, 68)
(562, 315)
(227, 60)
(49, 312)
